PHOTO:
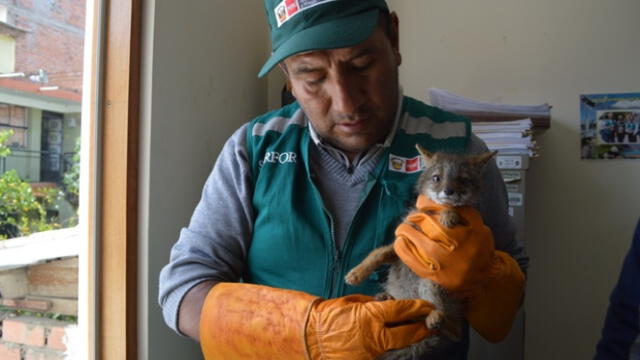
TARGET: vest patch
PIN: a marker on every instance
(405, 165)
(274, 157)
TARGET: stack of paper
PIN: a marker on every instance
(456, 103)
(508, 137)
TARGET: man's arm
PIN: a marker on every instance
(213, 247)
(191, 308)
(619, 338)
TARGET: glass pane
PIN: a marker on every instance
(41, 77)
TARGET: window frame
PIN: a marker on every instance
(108, 311)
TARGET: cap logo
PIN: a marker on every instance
(287, 9)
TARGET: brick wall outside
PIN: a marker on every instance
(53, 41)
(33, 338)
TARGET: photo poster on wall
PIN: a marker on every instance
(610, 126)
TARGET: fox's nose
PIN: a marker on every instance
(448, 192)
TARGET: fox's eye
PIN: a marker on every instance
(436, 178)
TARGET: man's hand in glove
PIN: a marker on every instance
(463, 260)
(244, 321)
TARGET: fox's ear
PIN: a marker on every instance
(424, 152)
(428, 157)
(482, 159)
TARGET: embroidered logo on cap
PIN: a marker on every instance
(286, 9)
(405, 165)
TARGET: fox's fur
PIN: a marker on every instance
(449, 179)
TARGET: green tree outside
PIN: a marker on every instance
(22, 212)
(71, 179)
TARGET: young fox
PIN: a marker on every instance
(451, 180)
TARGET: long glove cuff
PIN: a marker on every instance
(245, 321)
(492, 310)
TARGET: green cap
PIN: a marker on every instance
(306, 25)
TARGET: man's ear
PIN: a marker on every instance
(284, 69)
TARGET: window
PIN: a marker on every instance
(41, 73)
(14, 118)
(7, 52)
(107, 304)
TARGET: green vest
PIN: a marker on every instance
(293, 245)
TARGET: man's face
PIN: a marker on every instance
(350, 95)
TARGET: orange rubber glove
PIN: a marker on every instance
(458, 259)
(464, 261)
(491, 311)
(245, 321)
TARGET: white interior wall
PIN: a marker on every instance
(199, 72)
(580, 214)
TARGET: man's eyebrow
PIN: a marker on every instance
(361, 52)
(305, 69)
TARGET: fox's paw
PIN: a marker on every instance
(434, 320)
(450, 218)
(353, 277)
(383, 296)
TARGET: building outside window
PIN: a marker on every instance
(41, 64)
(41, 58)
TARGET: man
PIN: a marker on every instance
(301, 195)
